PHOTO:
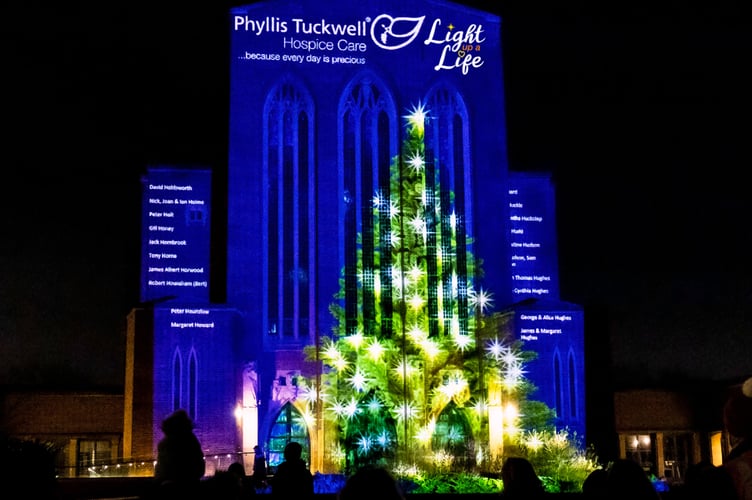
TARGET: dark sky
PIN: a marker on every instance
(640, 110)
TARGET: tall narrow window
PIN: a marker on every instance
(557, 384)
(571, 371)
(289, 217)
(177, 380)
(192, 385)
(448, 174)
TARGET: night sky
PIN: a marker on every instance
(641, 113)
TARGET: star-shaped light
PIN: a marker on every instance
(356, 339)
(462, 342)
(335, 357)
(416, 301)
(404, 369)
(364, 444)
(375, 350)
(416, 162)
(497, 349)
(480, 299)
(416, 119)
(417, 224)
(417, 334)
(351, 408)
(373, 405)
(453, 386)
(308, 395)
(415, 273)
(513, 375)
(394, 210)
(358, 380)
(430, 348)
(383, 439)
(405, 411)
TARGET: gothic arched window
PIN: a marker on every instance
(289, 209)
(367, 128)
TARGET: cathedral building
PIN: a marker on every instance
(371, 211)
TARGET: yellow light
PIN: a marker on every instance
(462, 341)
(404, 370)
(416, 301)
(355, 340)
(417, 334)
(534, 441)
(511, 412)
(331, 352)
(340, 364)
(424, 435)
(375, 350)
(309, 418)
(430, 348)
(453, 386)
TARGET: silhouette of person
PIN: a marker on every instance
(292, 478)
(27, 467)
(737, 417)
(371, 482)
(223, 485)
(628, 481)
(245, 486)
(259, 467)
(594, 486)
(520, 480)
(180, 460)
(703, 480)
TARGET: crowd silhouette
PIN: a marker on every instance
(180, 469)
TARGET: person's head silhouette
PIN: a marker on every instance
(293, 451)
(178, 422)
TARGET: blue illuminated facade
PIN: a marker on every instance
(318, 97)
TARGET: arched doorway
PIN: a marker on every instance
(453, 436)
(288, 426)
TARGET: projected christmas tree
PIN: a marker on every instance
(418, 371)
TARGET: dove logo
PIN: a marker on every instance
(392, 33)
